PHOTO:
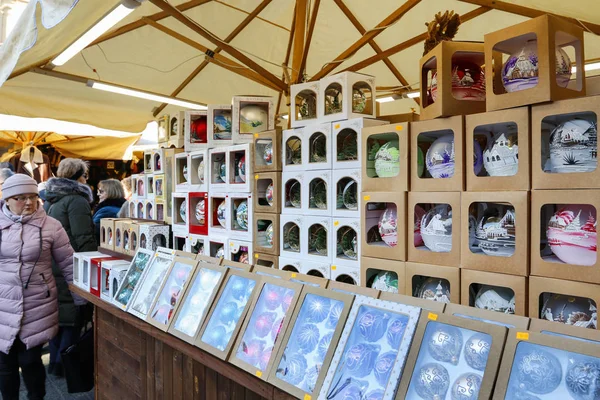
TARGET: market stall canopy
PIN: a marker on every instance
(206, 51)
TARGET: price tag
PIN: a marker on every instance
(307, 397)
(256, 177)
(432, 316)
(231, 244)
(399, 127)
(333, 267)
(256, 135)
(336, 223)
(259, 374)
(294, 274)
(256, 255)
(367, 198)
(522, 335)
(337, 126)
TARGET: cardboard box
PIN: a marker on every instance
(440, 325)
(107, 233)
(217, 246)
(267, 186)
(169, 169)
(239, 168)
(347, 141)
(182, 173)
(292, 184)
(554, 329)
(584, 297)
(112, 276)
(277, 273)
(196, 244)
(550, 32)
(428, 305)
(134, 179)
(544, 262)
(316, 193)
(153, 235)
(219, 125)
(150, 187)
(177, 130)
(545, 118)
(293, 265)
(337, 97)
(305, 103)
(147, 163)
(124, 293)
(250, 115)
(130, 247)
(422, 253)
(395, 172)
(346, 274)
(214, 226)
(347, 242)
(309, 280)
(181, 222)
(261, 244)
(203, 258)
(240, 251)
(491, 317)
(345, 193)
(343, 287)
(481, 243)
(236, 202)
(163, 129)
(321, 270)
(159, 210)
(444, 63)
(266, 260)
(198, 171)
(90, 271)
(374, 205)
(422, 135)
(96, 274)
(217, 164)
(433, 282)
(159, 159)
(473, 281)
(317, 239)
(503, 137)
(149, 209)
(140, 186)
(267, 151)
(196, 127)
(317, 151)
(370, 267)
(121, 230)
(179, 240)
(140, 208)
(81, 279)
(159, 187)
(236, 265)
(290, 235)
(185, 254)
(293, 144)
(197, 215)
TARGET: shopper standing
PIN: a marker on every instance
(29, 242)
(5, 173)
(112, 197)
(124, 212)
(68, 199)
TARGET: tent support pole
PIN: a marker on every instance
(311, 28)
(299, 39)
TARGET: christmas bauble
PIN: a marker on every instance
(495, 232)
(445, 343)
(434, 289)
(228, 312)
(436, 229)
(253, 119)
(264, 323)
(383, 367)
(223, 172)
(466, 387)
(395, 332)
(573, 147)
(269, 235)
(431, 381)
(477, 158)
(324, 344)
(468, 81)
(268, 154)
(495, 298)
(222, 126)
(239, 287)
(241, 215)
(386, 281)
(317, 308)
(312, 375)
(420, 162)
(294, 369)
(265, 357)
(360, 359)
(387, 225)
(501, 155)
(571, 234)
(538, 371)
(216, 337)
(334, 315)
(376, 394)
(520, 71)
(372, 324)
(419, 214)
(477, 350)
(198, 130)
(387, 160)
(220, 252)
(183, 211)
(583, 379)
(241, 168)
(201, 172)
(200, 214)
(308, 338)
(270, 194)
(350, 392)
(185, 174)
(273, 296)
(359, 101)
(221, 214)
(569, 310)
(251, 351)
(440, 157)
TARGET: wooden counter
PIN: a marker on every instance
(135, 360)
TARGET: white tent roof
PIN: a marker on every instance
(149, 59)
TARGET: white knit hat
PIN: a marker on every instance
(19, 184)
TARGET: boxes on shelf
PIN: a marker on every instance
(196, 127)
(293, 143)
(111, 276)
(499, 142)
(131, 238)
(433, 282)
(437, 155)
(434, 239)
(241, 216)
(121, 232)
(81, 273)
(240, 251)
(384, 275)
(305, 103)
(159, 187)
(163, 130)
(266, 233)
(219, 129)
(239, 168)
(150, 187)
(317, 152)
(562, 301)
(197, 244)
(267, 151)
(217, 246)
(250, 115)
(563, 234)
(182, 173)
(159, 210)
(217, 164)
(153, 235)
(453, 80)
(316, 193)
(502, 293)
(198, 171)
(266, 192)
(179, 240)
(346, 242)
(538, 69)
(497, 227)
(96, 274)
(218, 213)
(498, 318)
(562, 330)
(346, 274)
(180, 213)
(347, 141)
(320, 269)
(147, 164)
(290, 264)
(159, 159)
(384, 158)
(90, 271)
(149, 212)
(292, 186)
(564, 144)
(197, 218)
(140, 209)
(346, 95)
(107, 233)
(383, 225)
(290, 234)
(141, 185)
(345, 192)
(266, 260)
(428, 305)
(317, 239)
(177, 130)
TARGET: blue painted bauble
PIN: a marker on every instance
(264, 323)
(439, 159)
(308, 337)
(350, 392)
(251, 351)
(445, 343)
(228, 312)
(311, 378)
(265, 357)
(272, 296)
(241, 215)
(477, 350)
(372, 324)
(431, 381)
(324, 344)
(360, 359)
(317, 308)
(583, 379)
(375, 395)
(238, 287)
(395, 331)
(477, 157)
(293, 369)
(334, 315)
(216, 337)
(538, 371)
(383, 367)
(466, 387)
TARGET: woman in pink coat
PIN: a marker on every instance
(29, 240)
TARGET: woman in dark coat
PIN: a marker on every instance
(112, 197)
(68, 200)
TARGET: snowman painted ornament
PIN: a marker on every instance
(436, 229)
(574, 147)
(439, 159)
(571, 234)
(501, 156)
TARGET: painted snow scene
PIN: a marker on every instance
(440, 157)
(573, 147)
(431, 288)
(569, 310)
(495, 232)
(468, 82)
(436, 229)
(222, 125)
(254, 118)
(571, 234)
(495, 298)
(501, 155)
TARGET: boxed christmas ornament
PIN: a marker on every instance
(384, 159)
(315, 269)
(441, 141)
(250, 115)
(217, 164)
(452, 356)
(292, 185)
(293, 143)
(241, 216)
(218, 215)
(150, 195)
(538, 366)
(149, 209)
(179, 240)
(180, 216)
(140, 209)
(305, 102)
(197, 218)
(177, 130)
(347, 242)
(198, 171)
(564, 144)
(219, 128)
(371, 354)
(196, 126)
(317, 152)
(563, 234)
(265, 192)
(290, 234)
(346, 274)
(266, 260)
(267, 151)
(196, 244)
(383, 275)
(194, 304)
(266, 233)
(383, 223)
(217, 246)
(317, 194)
(96, 274)
(112, 275)
(171, 292)
(153, 235)
(496, 225)
(227, 313)
(138, 265)
(160, 159)
(140, 186)
(488, 316)
(317, 241)
(345, 193)
(310, 341)
(346, 95)
(538, 69)
(107, 233)
(453, 80)
(121, 227)
(159, 210)
(498, 292)
(182, 173)
(163, 130)
(502, 138)
(148, 164)
(433, 282)
(239, 168)
(347, 141)
(565, 302)
(268, 319)
(292, 265)
(434, 239)
(131, 236)
(428, 305)
(159, 187)
(240, 251)
(570, 332)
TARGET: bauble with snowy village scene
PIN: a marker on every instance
(501, 155)
(569, 310)
(435, 289)
(468, 82)
(440, 157)
(574, 147)
(571, 234)
(253, 119)
(436, 229)
(495, 233)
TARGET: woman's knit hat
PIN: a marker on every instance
(18, 184)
